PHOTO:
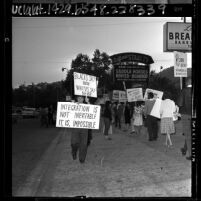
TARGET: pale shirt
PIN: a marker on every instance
(167, 108)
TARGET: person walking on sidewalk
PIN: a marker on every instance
(167, 110)
(151, 121)
(185, 106)
(127, 116)
(137, 116)
(107, 115)
(79, 139)
(120, 111)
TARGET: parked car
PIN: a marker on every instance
(16, 115)
(29, 113)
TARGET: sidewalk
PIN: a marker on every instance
(126, 166)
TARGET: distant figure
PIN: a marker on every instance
(114, 108)
(151, 122)
(167, 110)
(114, 112)
(120, 110)
(44, 117)
(79, 139)
(127, 115)
(50, 115)
(185, 105)
(107, 115)
(138, 118)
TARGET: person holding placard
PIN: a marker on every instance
(79, 139)
(167, 110)
(151, 121)
(137, 116)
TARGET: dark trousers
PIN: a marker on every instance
(118, 121)
(152, 127)
(89, 137)
(107, 123)
(79, 138)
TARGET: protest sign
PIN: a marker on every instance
(180, 64)
(122, 96)
(85, 85)
(134, 94)
(115, 95)
(156, 108)
(106, 97)
(157, 94)
(74, 115)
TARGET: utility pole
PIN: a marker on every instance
(182, 80)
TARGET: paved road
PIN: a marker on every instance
(126, 166)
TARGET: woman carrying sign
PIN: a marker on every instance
(79, 139)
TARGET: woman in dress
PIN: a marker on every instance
(138, 118)
(167, 110)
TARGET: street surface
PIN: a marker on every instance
(126, 166)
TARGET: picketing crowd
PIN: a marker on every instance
(137, 114)
(131, 117)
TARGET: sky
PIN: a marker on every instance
(42, 46)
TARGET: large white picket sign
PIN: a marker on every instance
(157, 94)
(134, 94)
(156, 108)
(85, 85)
(74, 115)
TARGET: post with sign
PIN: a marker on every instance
(178, 37)
(180, 65)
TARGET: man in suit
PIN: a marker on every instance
(151, 121)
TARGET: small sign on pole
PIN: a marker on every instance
(180, 64)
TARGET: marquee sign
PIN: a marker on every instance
(177, 37)
(131, 67)
(130, 58)
(131, 73)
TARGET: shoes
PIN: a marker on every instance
(81, 161)
(107, 137)
(151, 139)
(183, 151)
(169, 145)
(188, 157)
(132, 132)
